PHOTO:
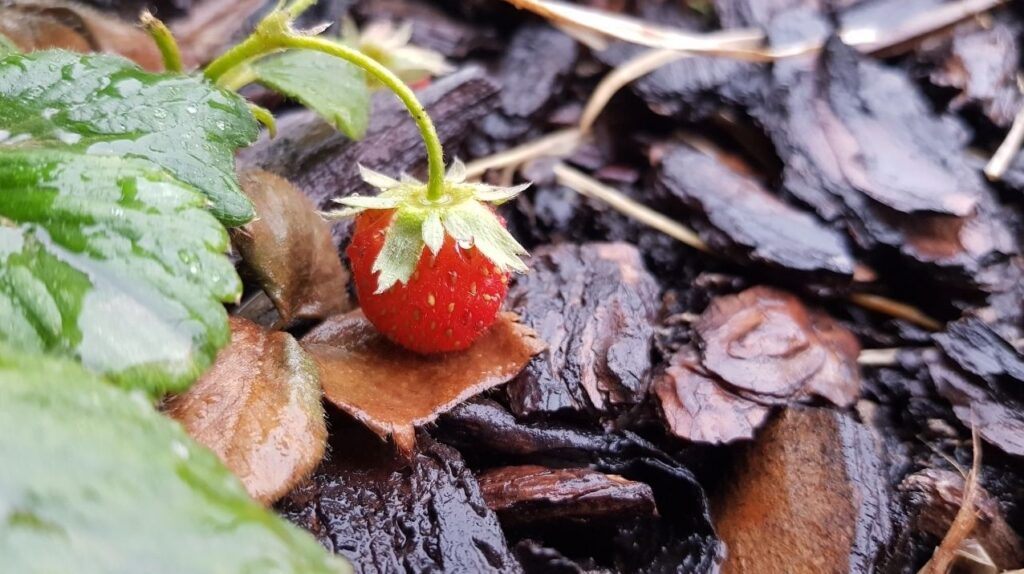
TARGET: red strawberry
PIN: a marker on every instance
(450, 299)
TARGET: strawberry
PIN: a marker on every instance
(431, 275)
(451, 298)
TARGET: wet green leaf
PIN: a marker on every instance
(113, 262)
(99, 482)
(327, 85)
(107, 252)
(105, 105)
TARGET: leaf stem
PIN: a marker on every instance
(164, 40)
(274, 33)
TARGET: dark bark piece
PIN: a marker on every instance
(537, 58)
(679, 539)
(810, 495)
(392, 391)
(289, 249)
(933, 497)
(822, 112)
(981, 65)
(529, 494)
(694, 87)
(759, 13)
(980, 351)
(746, 220)
(860, 144)
(594, 306)
(539, 559)
(697, 408)
(484, 425)
(984, 381)
(432, 28)
(767, 345)
(322, 162)
(532, 74)
(387, 514)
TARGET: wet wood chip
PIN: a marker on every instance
(530, 493)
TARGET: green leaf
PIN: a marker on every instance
(471, 223)
(113, 262)
(433, 232)
(327, 85)
(98, 482)
(105, 105)
(401, 251)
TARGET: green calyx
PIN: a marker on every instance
(422, 223)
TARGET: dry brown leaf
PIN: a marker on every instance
(697, 408)
(289, 248)
(44, 24)
(766, 344)
(392, 391)
(259, 409)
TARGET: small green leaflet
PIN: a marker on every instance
(112, 259)
(105, 105)
(98, 482)
(327, 85)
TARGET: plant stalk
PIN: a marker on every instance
(275, 34)
(165, 42)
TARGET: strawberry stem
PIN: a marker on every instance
(274, 33)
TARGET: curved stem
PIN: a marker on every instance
(273, 38)
(165, 42)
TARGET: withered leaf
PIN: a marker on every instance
(289, 249)
(530, 493)
(392, 391)
(44, 24)
(771, 348)
(259, 409)
(697, 408)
